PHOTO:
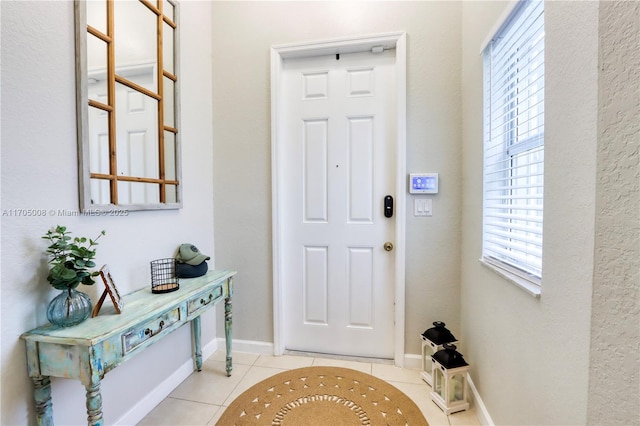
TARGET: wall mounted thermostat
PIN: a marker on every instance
(423, 183)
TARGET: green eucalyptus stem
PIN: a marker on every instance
(71, 258)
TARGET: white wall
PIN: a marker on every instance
(530, 357)
(243, 33)
(39, 171)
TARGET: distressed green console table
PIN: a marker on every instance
(88, 351)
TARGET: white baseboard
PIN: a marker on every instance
(480, 408)
(251, 346)
(413, 361)
(157, 395)
(160, 392)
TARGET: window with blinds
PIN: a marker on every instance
(514, 144)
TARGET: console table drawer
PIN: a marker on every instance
(137, 336)
(203, 300)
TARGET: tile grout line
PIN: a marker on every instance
(389, 375)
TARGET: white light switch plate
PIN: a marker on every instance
(422, 207)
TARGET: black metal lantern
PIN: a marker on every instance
(449, 371)
(433, 340)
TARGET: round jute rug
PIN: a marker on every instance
(322, 396)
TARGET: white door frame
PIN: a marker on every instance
(331, 47)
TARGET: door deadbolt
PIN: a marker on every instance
(388, 206)
(388, 246)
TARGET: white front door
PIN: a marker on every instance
(339, 158)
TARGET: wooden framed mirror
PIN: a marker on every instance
(128, 106)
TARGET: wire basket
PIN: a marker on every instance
(163, 276)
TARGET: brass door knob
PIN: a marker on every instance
(388, 246)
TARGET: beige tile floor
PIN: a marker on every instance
(203, 396)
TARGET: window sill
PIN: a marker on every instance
(529, 287)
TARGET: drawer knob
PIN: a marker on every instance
(204, 302)
(149, 332)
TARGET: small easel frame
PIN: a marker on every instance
(111, 289)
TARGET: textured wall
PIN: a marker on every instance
(614, 394)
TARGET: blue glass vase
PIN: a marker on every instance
(69, 308)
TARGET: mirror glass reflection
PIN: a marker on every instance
(97, 15)
(127, 109)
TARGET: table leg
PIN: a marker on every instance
(195, 328)
(228, 322)
(94, 404)
(42, 395)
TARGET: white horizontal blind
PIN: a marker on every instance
(514, 143)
